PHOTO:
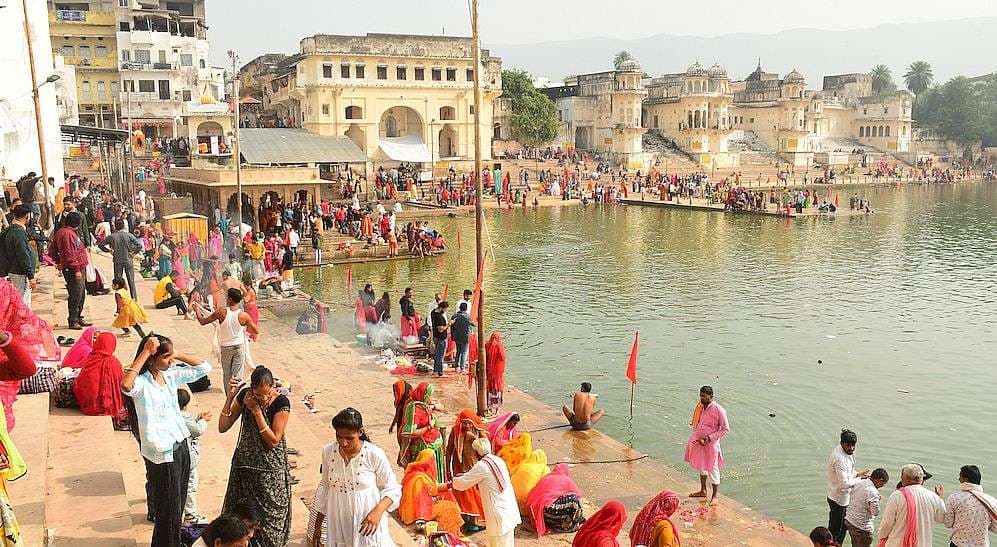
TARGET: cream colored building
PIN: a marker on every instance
(694, 108)
(398, 97)
(601, 112)
(774, 109)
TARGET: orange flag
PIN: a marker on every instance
(632, 363)
(446, 290)
(476, 299)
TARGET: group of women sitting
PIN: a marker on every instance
(548, 497)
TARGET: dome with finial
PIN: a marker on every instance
(696, 70)
(717, 71)
(794, 77)
(208, 99)
(630, 65)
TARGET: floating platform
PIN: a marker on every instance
(702, 205)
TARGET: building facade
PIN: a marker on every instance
(84, 34)
(397, 97)
(601, 112)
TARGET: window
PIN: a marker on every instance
(201, 63)
(186, 95)
(123, 3)
(327, 71)
(361, 69)
(84, 51)
(86, 90)
(123, 26)
(114, 88)
(164, 90)
(751, 120)
(126, 55)
(420, 73)
(67, 50)
(354, 113)
(470, 110)
(147, 86)
(861, 132)
(655, 121)
(186, 59)
(469, 73)
(344, 71)
(886, 110)
(887, 131)
(162, 56)
(128, 85)
(382, 72)
(325, 110)
(101, 89)
(437, 74)
(401, 73)
(448, 113)
(100, 51)
(143, 56)
(451, 74)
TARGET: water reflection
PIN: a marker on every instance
(900, 300)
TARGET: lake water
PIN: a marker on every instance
(899, 307)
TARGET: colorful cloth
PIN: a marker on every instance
(548, 489)
(649, 520)
(516, 451)
(526, 476)
(131, 312)
(712, 425)
(417, 416)
(460, 458)
(495, 368)
(33, 339)
(420, 487)
(98, 387)
(601, 529)
(498, 432)
(563, 515)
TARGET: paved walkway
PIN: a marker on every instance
(95, 477)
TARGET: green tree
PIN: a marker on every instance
(620, 57)
(960, 112)
(534, 115)
(882, 79)
(918, 79)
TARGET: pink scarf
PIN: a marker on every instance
(910, 535)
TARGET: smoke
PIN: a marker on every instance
(382, 335)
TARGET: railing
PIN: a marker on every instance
(137, 96)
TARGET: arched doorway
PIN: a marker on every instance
(271, 205)
(358, 136)
(497, 131)
(210, 138)
(448, 142)
(232, 207)
(301, 196)
(400, 121)
(582, 141)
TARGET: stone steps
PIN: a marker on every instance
(28, 492)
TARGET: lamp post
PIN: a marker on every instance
(38, 108)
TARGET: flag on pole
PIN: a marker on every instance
(446, 290)
(476, 299)
(632, 363)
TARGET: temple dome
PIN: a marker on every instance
(717, 71)
(696, 70)
(630, 65)
(794, 77)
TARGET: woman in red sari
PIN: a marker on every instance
(495, 365)
(98, 387)
(401, 391)
(601, 529)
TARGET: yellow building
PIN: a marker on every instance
(84, 34)
(398, 97)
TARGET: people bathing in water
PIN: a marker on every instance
(580, 416)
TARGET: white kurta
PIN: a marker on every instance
(930, 509)
(350, 490)
(501, 511)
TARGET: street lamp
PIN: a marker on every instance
(48, 80)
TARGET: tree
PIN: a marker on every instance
(534, 115)
(960, 112)
(882, 79)
(620, 57)
(918, 79)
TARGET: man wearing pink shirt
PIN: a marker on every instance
(702, 452)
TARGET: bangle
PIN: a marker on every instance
(128, 369)
(264, 429)
(229, 413)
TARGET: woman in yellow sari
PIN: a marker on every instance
(516, 450)
(527, 475)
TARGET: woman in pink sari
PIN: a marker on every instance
(215, 243)
(556, 488)
(178, 265)
(193, 251)
(502, 430)
(81, 349)
(28, 336)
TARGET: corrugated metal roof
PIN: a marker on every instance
(284, 146)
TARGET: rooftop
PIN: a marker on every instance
(296, 146)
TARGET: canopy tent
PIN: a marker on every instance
(408, 148)
(296, 146)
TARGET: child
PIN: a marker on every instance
(129, 312)
(197, 426)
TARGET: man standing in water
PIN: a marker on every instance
(702, 452)
(841, 478)
(581, 416)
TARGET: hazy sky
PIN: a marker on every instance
(252, 27)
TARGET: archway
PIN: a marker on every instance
(358, 136)
(271, 205)
(210, 138)
(582, 141)
(301, 196)
(861, 132)
(448, 142)
(400, 121)
(232, 207)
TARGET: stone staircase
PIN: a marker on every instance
(752, 150)
(667, 154)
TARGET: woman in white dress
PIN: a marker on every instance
(357, 488)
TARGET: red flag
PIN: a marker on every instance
(458, 240)
(349, 278)
(632, 363)
(446, 290)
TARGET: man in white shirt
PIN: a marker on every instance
(468, 296)
(863, 507)
(928, 509)
(293, 240)
(841, 478)
(970, 513)
(498, 499)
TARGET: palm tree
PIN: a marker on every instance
(620, 57)
(882, 79)
(918, 79)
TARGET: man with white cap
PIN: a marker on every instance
(491, 476)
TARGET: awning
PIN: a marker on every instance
(407, 148)
(267, 146)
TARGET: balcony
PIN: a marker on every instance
(132, 65)
(84, 63)
(77, 17)
(142, 96)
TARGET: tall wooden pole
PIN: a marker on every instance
(236, 153)
(38, 113)
(479, 217)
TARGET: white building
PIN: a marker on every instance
(18, 131)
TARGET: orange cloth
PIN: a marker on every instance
(466, 429)
(516, 450)
(696, 414)
(420, 489)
